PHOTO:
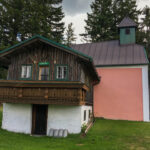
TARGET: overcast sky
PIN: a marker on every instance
(76, 10)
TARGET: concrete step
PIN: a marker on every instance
(58, 133)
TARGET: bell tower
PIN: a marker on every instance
(127, 31)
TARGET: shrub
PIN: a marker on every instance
(83, 128)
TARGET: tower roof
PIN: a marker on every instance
(127, 22)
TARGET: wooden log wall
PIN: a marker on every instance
(44, 53)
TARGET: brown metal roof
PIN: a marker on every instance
(127, 22)
(112, 53)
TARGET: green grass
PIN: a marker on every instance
(1, 108)
(104, 135)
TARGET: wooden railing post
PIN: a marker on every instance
(80, 95)
(20, 92)
(46, 93)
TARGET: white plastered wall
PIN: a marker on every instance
(85, 108)
(66, 117)
(17, 118)
(145, 87)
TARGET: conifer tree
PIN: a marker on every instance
(102, 22)
(121, 9)
(70, 36)
(10, 20)
(28, 18)
(98, 22)
(45, 19)
(146, 27)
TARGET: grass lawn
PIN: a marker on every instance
(104, 135)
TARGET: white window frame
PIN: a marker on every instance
(26, 71)
(60, 74)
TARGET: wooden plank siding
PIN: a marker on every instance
(38, 52)
(44, 53)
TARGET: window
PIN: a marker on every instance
(89, 113)
(26, 71)
(61, 72)
(127, 31)
(84, 115)
(44, 73)
(82, 76)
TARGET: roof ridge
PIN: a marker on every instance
(48, 40)
(127, 22)
(95, 42)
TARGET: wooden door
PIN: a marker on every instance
(39, 119)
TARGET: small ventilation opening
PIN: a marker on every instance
(127, 31)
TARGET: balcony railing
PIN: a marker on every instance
(43, 92)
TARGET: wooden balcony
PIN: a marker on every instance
(43, 92)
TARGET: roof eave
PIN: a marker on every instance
(120, 65)
(122, 27)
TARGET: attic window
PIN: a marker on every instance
(127, 31)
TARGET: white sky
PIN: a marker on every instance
(76, 10)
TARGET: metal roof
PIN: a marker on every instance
(111, 53)
(127, 22)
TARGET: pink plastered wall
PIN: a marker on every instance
(119, 94)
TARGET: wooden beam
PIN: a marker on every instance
(52, 84)
(43, 92)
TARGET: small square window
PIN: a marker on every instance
(127, 31)
(26, 71)
(84, 115)
(61, 72)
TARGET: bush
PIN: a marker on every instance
(83, 128)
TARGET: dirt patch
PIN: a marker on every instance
(79, 144)
(135, 147)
